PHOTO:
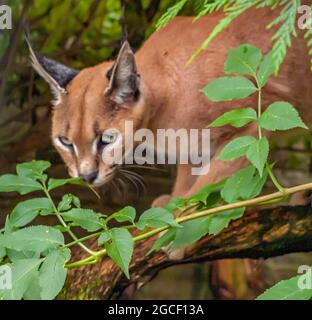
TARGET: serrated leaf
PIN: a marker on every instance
(236, 118)
(104, 237)
(163, 240)
(237, 184)
(191, 232)
(126, 214)
(175, 203)
(33, 292)
(20, 184)
(84, 218)
(266, 69)
(18, 255)
(258, 153)
(203, 194)
(255, 186)
(243, 60)
(221, 220)
(67, 201)
(155, 218)
(286, 290)
(120, 248)
(33, 169)
(229, 88)
(35, 238)
(281, 116)
(52, 273)
(236, 148)
(28, 210)
(2, 248)
(23, 272)
(56, 183)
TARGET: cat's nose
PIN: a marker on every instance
(89, 177)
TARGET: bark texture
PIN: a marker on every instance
(259, 234)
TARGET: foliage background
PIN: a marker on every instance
(80, 34)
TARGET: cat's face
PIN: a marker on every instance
(90, 111)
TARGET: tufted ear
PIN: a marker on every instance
(54, 73)
(123, 78)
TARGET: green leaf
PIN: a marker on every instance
(18, 255)
(237, 184)
(104, 237)
(163, 240)
(266, 69)
(255, 186)
(56, 183)
(191, 232)
(286, 290)
(243, 60)
(52, 273)
(126, 214)
(221, 220)
(155, 218)
(33, 292)
(258, 153)
(237, 118)
(67, 201)
(34, 238)
(281, 116)
(120, 248)
(20, 184)
(229, 88)
(23, 273)
(236, 148)
(28, 210)
(84, 218)
(33, 169)
(2, 248)
(175, 204)
(203, 194)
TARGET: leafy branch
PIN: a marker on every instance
(38, 255)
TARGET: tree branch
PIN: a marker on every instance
(263, 233)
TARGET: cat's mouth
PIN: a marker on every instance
(104, 179)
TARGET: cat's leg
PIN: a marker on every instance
(184, 181)
(218, 170)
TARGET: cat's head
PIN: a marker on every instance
(90, 111)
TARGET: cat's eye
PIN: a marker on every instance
(108, 137)
(65, 142)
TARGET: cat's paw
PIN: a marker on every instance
(177, 254)
(161, 201)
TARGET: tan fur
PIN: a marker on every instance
(170, 92)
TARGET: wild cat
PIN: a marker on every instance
(155, 88)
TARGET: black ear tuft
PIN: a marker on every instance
(123, 78)
(55, 73)
(59, 72)
(110, 72)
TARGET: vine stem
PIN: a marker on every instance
(267, 165)
(90, 236)
(240, 204)
(58, 215)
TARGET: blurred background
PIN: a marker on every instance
(81, 34)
